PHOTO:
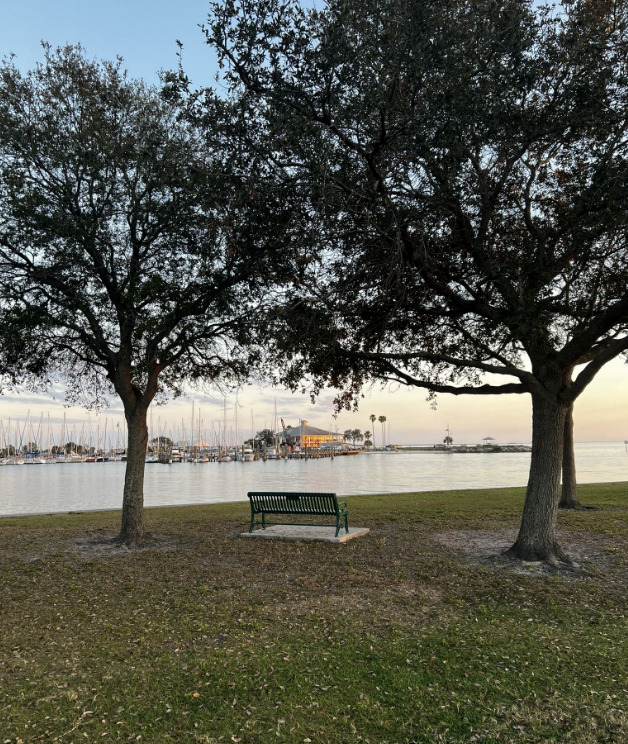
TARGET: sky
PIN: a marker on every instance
(601, 413)
(144, 34)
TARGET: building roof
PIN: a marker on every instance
(305, 430)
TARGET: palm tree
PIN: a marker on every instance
(448, 440)
(367, 439)
(382, 421)
(373, 419)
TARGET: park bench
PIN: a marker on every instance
(293, 503)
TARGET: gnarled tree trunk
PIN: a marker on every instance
(136, 403)
(132, 529)
(569, 494)
(537, 534)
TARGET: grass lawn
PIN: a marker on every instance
(410, 634)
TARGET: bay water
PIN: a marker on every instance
(38, 489)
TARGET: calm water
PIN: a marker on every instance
(33, 489)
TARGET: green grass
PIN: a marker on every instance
(395, 637)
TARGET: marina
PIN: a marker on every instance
(45, 442)
(98, 485)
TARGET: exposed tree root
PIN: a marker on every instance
(553, 558)
(123, 540)
(131, 541)
(490, 548)
(550, 555)
(569, 504)
(577, 507)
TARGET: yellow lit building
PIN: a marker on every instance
(309, 436)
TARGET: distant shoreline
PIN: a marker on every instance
(454, 449)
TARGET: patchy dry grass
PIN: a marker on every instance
(415, 633)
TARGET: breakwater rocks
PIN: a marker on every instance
(470, 449)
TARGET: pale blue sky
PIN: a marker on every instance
(143, 33)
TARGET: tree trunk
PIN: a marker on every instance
(132, 530)
(537, 537)
(569, 494)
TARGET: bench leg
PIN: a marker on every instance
(252, 523)
(338, 524)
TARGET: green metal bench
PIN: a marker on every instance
(287, 502)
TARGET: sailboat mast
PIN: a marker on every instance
(237, 441)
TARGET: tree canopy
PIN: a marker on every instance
(266, 436)
(124, 263)
(465, 168)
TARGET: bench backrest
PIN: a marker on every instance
(290, 502)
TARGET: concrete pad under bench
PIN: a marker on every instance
(306, 533)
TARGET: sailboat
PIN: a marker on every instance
(224, 454)
(34, 457)
(9, 459)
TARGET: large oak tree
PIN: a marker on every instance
(124, 265)
(465, 167)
